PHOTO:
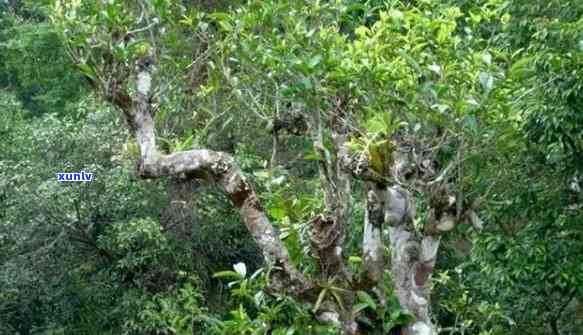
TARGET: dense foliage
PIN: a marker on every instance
(493, 87)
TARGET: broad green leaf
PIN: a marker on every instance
(367, 299)
(87, 70)
(227, 274)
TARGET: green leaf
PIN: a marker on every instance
(376, 124)
(396, 14)
(227, 274)
(359, 307)
(186, 144)
(471, 123)
(219, 16)
(367, 299)
(401, 317)
(521, 69)
(321, 297)
(355, 145)
(410, 60)
(87, 70)
(306, 84)
(277, 213)
(338, 299)
(315, 61)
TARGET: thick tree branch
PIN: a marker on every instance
(216, 166)
(329, 229)
(358, 166)
(373, 246)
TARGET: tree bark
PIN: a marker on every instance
(373, 244)
(412, 261)
(329, 229)
(413, 254)
(210, 165)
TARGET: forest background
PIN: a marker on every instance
(331, 112)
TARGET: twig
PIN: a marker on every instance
(139, 30)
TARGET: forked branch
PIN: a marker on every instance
(210, 165)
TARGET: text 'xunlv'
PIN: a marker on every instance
(74, 176)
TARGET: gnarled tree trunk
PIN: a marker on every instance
(388, 204)
(207, 164)
(412, 260)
